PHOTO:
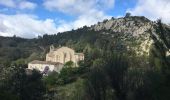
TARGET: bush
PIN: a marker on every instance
(51, 79)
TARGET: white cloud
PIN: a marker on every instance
(30, 26)
(82, 20)
(153, 9)
(88, 12)
(27, 26)
(8, 3)
(18, 4)
(77, 6)
(27, 5)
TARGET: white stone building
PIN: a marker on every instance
(55, 59)
(41, 65)
(63, 55)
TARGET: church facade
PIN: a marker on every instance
(63, 55)
(55, 59)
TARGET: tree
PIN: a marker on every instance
(156, 83)
(127, 15)
(67, 75)
(109, 74)
(113, 18)
(160, 46)
(69, 64)
(116, 69)
(51, 79)
(96, 84)
(23, 86)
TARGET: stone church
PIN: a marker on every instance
(63, 55)
(55, 59)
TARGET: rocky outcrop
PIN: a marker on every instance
(132, 29)
(131, 25)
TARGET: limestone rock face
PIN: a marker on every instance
(133, 29)
(131, 25)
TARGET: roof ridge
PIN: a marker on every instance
(44, 62)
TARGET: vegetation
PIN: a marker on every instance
(110, 70)
(17, 85)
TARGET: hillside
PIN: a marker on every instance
(126, 58)
(130, 34)
(133, 31)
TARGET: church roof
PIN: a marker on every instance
(55, 49)
(79, 54)
(44, 62)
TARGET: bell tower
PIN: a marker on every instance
(52, 48)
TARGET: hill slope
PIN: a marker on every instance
(132, 34)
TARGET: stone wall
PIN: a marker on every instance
(63, 55)
(41, 67)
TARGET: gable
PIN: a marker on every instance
(65, 50)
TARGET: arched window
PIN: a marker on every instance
(58, 58)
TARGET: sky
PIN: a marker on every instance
(32, 18)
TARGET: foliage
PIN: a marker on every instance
(109, 72)
(127, 15)
(72, 91)
(69, 64)
(67, 75)
(22, 86)
(51, 79)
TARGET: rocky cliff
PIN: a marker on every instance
(134, 31)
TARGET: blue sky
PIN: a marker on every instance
(30, 18)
